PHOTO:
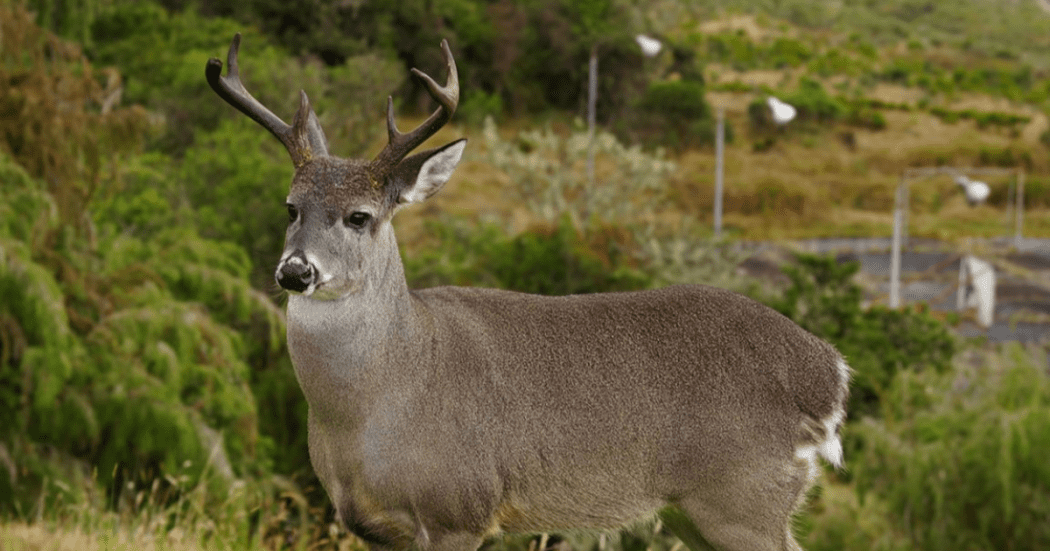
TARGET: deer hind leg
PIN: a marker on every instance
(750, 512)
(450, 541)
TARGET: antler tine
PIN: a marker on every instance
(400, 144)
(301, 140)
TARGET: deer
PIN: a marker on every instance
(439, 417)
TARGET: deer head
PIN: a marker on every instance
(339, 238)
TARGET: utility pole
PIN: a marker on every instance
(895, 255)
(720, 146)
(592, 102)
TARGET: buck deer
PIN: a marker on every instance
(440, 416)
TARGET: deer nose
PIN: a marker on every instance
(295, 273)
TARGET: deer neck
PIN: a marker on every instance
(348, 350)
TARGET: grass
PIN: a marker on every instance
(176, 514)
(36, 537)
(799, 189)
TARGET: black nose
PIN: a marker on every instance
(295, 274)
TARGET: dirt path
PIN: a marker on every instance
(1045, 4)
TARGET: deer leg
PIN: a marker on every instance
(451, 541)
(750, 512)
(684, 529)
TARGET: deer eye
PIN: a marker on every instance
(356, 219)
(293, 213)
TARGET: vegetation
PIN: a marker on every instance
(879, 342)
(146, 396)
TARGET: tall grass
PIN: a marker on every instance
(175, 514)
(961, 459)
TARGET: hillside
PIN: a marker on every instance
(890, 103)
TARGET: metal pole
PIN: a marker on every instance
(895, 254)
(592, 100)
(905, 216)
(1020, 210)
(720, 138)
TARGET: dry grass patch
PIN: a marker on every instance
(25, 537)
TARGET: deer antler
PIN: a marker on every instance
(399, 145)
(304, 139)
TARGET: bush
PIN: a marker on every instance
(478, 105)
(961, 458)
(878, 342)
(122, 358)
(675, 100)
(814, 103)
(866, 118)
(759, 116)
(549, 172)
(546, 260)
(162, 56)
(675, 114)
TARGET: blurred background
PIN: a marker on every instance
(146, 395)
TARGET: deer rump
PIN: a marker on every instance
(537, 413)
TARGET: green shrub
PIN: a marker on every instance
(675, 100)
(675, 114)
(759, 116)
(122, 357)
(735, 49)
(788, 52)
(478, 105)
(162, 57)
(547, 260)
(559, 261)
(982, 118)
(814, 103)
(877, 342)
(235, 180)
(866, 118)
(835, 62)
(961, 459)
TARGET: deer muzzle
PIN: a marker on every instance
(295, 274)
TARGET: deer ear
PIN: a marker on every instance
(421, 175)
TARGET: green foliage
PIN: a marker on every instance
(116, 356)
(837, 62)
(162, 56)
(815, 108)
(740, 52)
(477, 106)
(982, 118)
(878, 342)
(508, 48)
(71, 20)
(142, 199)
(552, 260)
(674, 113)
(162, 59)
(814, 103)
(866, 118)
(555, 262)
(961, 458)
(123, 339)
(236, 180)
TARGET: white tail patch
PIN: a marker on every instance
(831, 448)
